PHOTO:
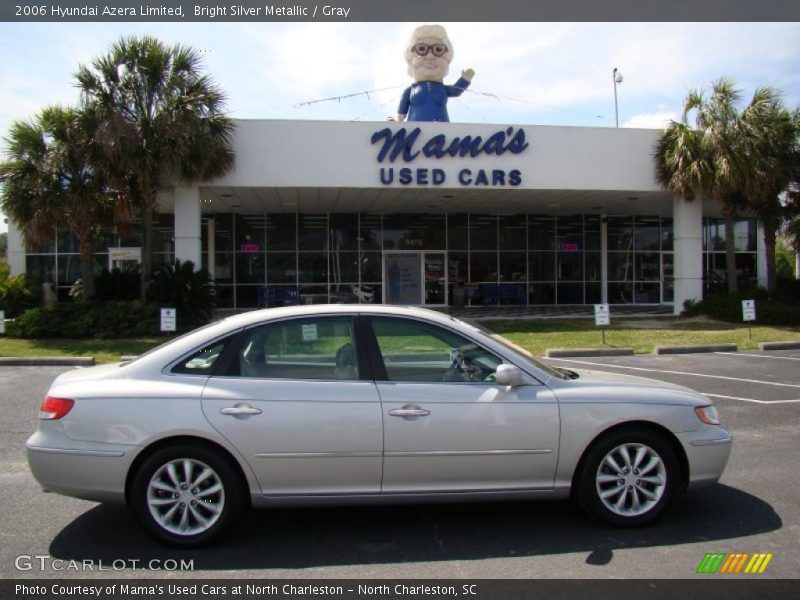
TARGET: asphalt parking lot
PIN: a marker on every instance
(754, 508)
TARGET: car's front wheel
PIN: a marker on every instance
(628, 477)
(186, 495)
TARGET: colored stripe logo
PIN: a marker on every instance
(734, 563)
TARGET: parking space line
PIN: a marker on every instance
(758, 355)
(751, 399)
(758, 381)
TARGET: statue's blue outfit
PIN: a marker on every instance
(427, 100)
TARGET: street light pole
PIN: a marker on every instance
(616, 78)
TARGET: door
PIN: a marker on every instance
(297, 405)
(434, 277)
(447, 425)
(403, 278)
(415, 278)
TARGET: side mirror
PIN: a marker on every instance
(509, 375)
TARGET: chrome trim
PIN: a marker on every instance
(725, 440)
(469, 452)
(318, 455)
(113, 454)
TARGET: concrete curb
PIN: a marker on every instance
(695, 349)
(581, 352)
(779, 346)
(46, 361)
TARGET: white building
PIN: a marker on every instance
(320, 212)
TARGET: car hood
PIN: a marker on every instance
(632, 388)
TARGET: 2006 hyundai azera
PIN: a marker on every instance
(335, 404)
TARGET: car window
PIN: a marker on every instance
(311, 348)
(415, 351)
(201, 362)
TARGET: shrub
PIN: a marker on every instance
(179, 286)
(17, 293)
(772, 311)
(80, 319)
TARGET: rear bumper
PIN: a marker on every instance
(91, 471)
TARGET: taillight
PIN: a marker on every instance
(55, 408)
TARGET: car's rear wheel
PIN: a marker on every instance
(187, 495)
(628, 477)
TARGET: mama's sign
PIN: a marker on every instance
(406, 146)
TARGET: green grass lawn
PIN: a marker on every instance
(104, 351)
(536, 335)
(643, 335)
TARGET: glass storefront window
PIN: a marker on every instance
(646, 233)
(457, 232)
(620, 266)
(313, 232)
(513, 235)
(542, 293)
(541, 266)
(281, 267)
(541, 232)
(482, 232)
(569, 234)
(648, 267)
(250, 268)
(512, 266)
(591, 224)
(344, 267)
(570, 293)
(371, 231)
(620, 233)
(371, 266)
(223, 267)
(457, 268)
(281, 232)
(40, 268)
(343, 232)
(313, 267)
(414, 232)
(570, 266)
(483, 266)
(223, 233)
(250, 233)
(666, 235)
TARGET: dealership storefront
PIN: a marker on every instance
(432, 214)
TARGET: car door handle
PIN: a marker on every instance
(410, 410)
(240, 410)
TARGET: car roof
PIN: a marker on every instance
(266, 314)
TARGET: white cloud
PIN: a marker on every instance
(657, 120)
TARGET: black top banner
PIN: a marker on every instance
(405, 10)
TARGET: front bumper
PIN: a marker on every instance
(707, 451)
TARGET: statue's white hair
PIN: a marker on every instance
(428, 32)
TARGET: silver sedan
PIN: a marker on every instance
(336, 404)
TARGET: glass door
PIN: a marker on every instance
(402, 278)
(434, 264)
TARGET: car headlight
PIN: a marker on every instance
(707, 414)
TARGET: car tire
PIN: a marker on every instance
(187, 495)
(628, 477)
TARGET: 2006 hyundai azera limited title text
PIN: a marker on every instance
(335, 404)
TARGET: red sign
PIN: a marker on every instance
(250, 247)
(564, 247)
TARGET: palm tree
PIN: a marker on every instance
(771, 138)
(707, 159)
(49, 181)
(159, 119)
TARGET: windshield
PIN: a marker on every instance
(519, 350)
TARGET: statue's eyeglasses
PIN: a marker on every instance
(423, 49)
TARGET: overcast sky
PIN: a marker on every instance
(526, 73)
